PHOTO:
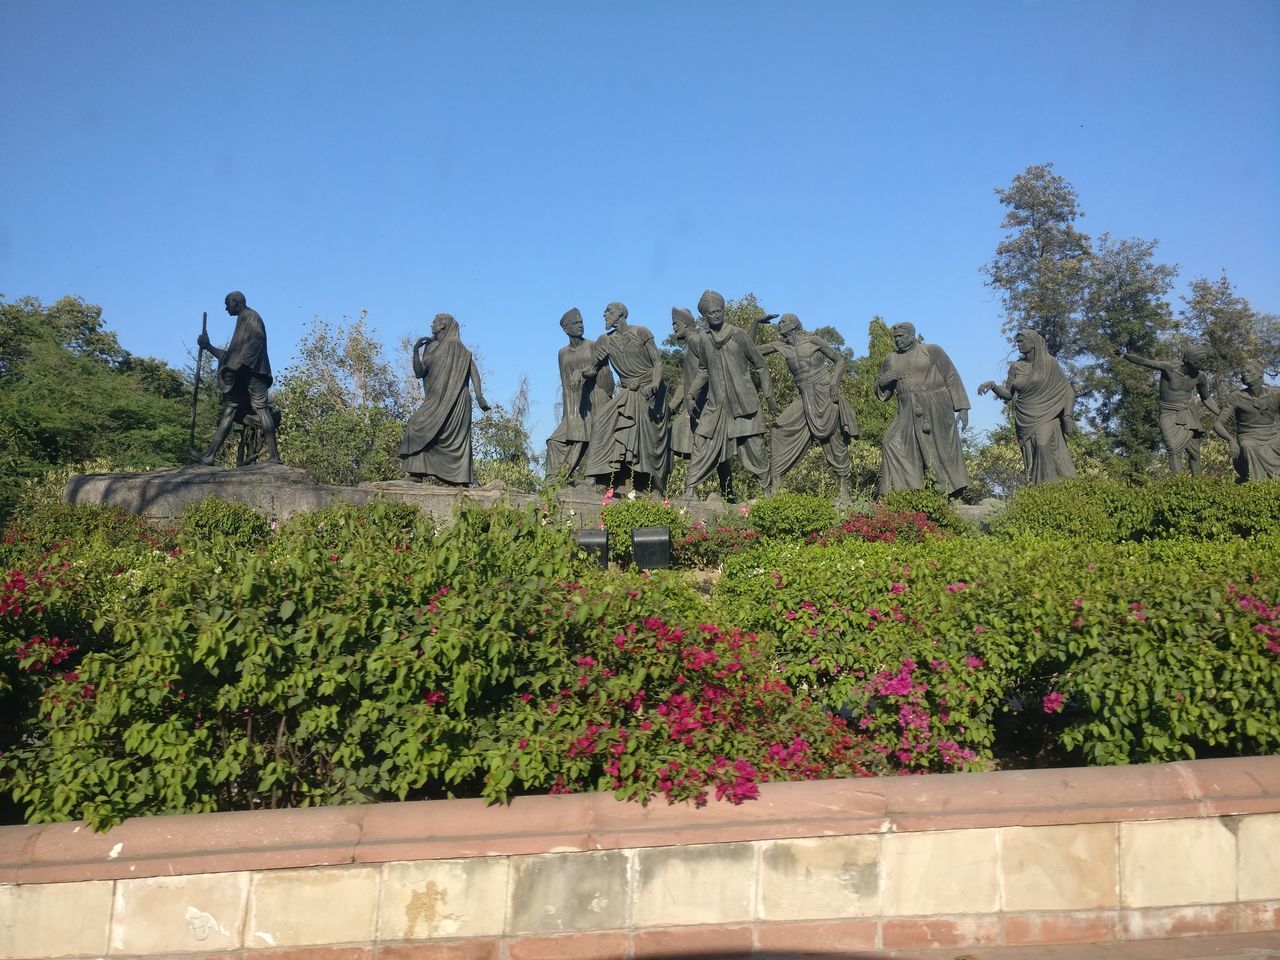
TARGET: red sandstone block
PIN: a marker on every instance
(915, 934)
(1077, 926)
(1259, 916)
(313, 953)
(692, 941)
(477, 949)
(574, 946)
(822, 937)
(1154, 922)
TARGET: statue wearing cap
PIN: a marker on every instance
(1183, 387)
(584, 388)
(729, 423)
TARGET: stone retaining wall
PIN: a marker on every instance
(913, 863)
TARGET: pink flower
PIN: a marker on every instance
(1052, 702)
(979, 629)
(975, 662)
(956, 587)
(608, 497)
(744, 509)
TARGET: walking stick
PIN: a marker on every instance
(195, 393)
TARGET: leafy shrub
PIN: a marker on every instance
(940, 510)
(622, 516)
(1077, 508)
(792, 516)
(1181, 506)
(215, 517)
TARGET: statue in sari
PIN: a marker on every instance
(1042, 399)
(1255, 449)
(437, 438)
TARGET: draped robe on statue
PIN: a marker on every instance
(630, 429)
(924, 432)
(820, 414)
(437, 439)
(729, 422)
(567, 445)
(1258, 434)
(1042, 406)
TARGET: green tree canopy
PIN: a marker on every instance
(69, 393)
(1039, 267)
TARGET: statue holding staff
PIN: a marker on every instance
(244, 376)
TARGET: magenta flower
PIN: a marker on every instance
(1052, 702)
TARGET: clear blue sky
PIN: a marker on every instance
(505, 161)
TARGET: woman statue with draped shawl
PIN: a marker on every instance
(437, 440)
(1042, 400)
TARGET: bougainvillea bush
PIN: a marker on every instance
(367, 653)
(1116, 653)
(360, 653)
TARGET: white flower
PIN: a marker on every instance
(631, 494)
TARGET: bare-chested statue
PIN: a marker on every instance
(584, 388)
(729, 423)
(1255, 449)
(1183, 387)
(820, 414)
(630, 433)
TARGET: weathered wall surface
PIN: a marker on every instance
(960, 860)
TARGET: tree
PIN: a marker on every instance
(69, 393)
(1222, 319)
(501, 444)
(1040, 266)
(342, 405)
(1126, 310)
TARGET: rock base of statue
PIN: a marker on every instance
(281, 492)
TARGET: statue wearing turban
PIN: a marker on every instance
(1183, 387)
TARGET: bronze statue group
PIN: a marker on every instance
(622, 422)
